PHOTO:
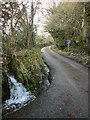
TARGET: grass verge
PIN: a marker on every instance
(78, 57)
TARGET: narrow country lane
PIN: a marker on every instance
(68, 93)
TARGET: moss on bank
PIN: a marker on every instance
(27, 67)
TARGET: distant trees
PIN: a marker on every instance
(67, 22)
(42, 41)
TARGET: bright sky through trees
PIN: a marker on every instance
(41, 14)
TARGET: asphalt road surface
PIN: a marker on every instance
(67, 96)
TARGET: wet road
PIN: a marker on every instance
(67, 96)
